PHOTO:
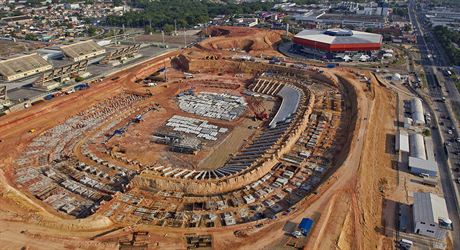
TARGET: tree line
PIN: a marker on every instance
(162, 14)
(450, 41)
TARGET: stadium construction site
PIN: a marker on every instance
(221, 151)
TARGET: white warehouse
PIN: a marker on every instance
(417, 146)
(430, 215)
(417, 111)
(402, 142)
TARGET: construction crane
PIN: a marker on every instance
(256, 107)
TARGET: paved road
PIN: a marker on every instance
(443, 117)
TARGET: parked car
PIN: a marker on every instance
(296, 234)
(405, 244)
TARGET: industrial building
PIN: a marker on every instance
(82, 50)
(430, 215)
(16, 20)
(417, 111)
(417, 146)
(338, 40)
(421, 157)
(22, 66)
(402, 142)
(321, 19)
(443, 16)
(421, 166)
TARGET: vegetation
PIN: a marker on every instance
(401, 11)
(117, 2)
(456, 81)
(426, 132)
(31, 37)
(34, 3)
(91, 30)
(79, 79)
(450, 41)
(305, 1)
(158, 14)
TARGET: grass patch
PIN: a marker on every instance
(456, 81)
(456, 108)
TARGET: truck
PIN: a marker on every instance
(305, 226)
(188, 75)
(81, 86)
(49, 97)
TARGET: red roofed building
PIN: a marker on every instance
(338, 40)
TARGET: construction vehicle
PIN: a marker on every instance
(187, 92)
(81, 86)
(137, 119)
(255, 104)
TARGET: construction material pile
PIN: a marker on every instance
(201, 128)
(213, 105)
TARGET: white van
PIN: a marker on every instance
(407, 244)
(424, 175)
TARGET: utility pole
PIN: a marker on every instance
(166, 78)
(185, 38)
(163, 36)
(175, 27)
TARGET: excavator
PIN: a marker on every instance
(256, 107)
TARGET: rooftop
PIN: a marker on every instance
(429, 207)
(339, 36)
(81, 48)
(428, 165)
(291, 98)
(16, 18)
(23, 63)
(403, 140)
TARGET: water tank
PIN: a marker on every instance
(417, 146)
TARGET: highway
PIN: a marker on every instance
(444, 123)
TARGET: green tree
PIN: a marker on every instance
(117, 2)
(91, 30)
(426, 132)
(31, 37)
(34, 3)
(186, 13)
(148, 30)
(168, 28)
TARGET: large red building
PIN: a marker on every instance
(338, 40)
